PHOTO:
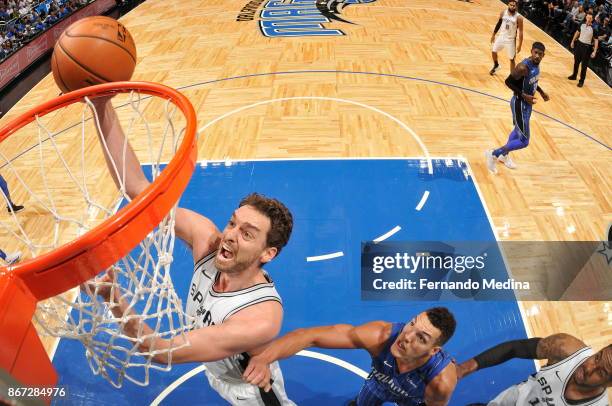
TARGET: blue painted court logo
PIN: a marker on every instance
(298, 18)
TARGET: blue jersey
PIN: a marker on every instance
(386, 384)
(530, 81)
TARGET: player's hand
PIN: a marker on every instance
(492, 38)
(518, 50)
(258, 373)
(529, 99)
(104, 286)
(592, 54)
(545, 96)
(572, 45)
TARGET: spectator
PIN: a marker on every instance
(24, 9)
(4, 16)
(572, 14)
(605, 39)
(63, 12)
(576, 20)
(39, 26)
(51, 18)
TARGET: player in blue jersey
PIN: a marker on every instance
(524, 83)
(409, 366)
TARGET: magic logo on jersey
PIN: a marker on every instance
(298, 18)
(388, 382)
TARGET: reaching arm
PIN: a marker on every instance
(246, 331)
(116, 144)
(499, 354)
(553, 348)
(196, 230)
(369, 336)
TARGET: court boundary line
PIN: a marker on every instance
(519, 303)
(405, 126)
(397, 76)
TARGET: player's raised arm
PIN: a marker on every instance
(122, 162)
(196, 230)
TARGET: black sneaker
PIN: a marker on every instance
(493, 69)
(580, 84)
(571, 77)
(14, 208)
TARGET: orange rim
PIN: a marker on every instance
(73, 263)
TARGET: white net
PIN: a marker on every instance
(63, 180)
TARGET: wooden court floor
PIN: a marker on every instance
(424, 63)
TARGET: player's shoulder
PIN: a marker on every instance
(374, 335)
(263, 315)
(444, 383)
(380, 328)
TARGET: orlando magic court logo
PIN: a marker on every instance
(298, 18)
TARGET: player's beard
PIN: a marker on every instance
(237, 264)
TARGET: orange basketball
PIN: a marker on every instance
(92, 51)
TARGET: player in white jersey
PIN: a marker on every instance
(211, 307)
(510, 22)
(237, 309)
(573, 375)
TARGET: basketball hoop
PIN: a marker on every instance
(136, 241)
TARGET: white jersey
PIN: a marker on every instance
(547, 386)
(509, 25)
(209, 307)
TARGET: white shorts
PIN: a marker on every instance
(518, 395)
(510, 45)
(244, 394)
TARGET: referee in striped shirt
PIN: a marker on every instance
(585, 46)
